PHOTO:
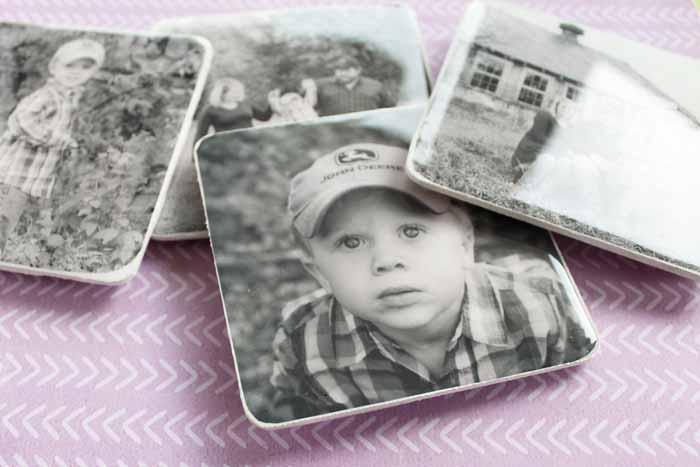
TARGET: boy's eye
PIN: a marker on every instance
(350, 242)
(411, 231)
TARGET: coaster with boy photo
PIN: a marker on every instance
(348, 287)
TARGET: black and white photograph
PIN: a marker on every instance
(347, 287)
(572, 129)
(285, 66)
(89, 123)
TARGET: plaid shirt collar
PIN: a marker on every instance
(486, 327)
(511, 323)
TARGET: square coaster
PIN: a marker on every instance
(578, 131)
(349, 288)
(89, 123)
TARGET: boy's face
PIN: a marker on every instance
(390, 262)
(76, 72)
(232, 93)
(348, 74)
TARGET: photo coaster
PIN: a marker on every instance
(289, 65)
(89, 124)
(349, 288)
(578, 131)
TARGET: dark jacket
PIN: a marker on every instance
(533, 142)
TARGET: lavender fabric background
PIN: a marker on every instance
(142, 375)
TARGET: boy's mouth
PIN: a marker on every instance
(396, 291)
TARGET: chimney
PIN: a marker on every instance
(570, 32)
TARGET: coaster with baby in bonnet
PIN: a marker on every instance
(89, 123)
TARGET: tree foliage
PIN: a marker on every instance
(264, 58)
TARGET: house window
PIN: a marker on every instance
(531, 97)
(533, 90)
(487, 74)
(572, 93)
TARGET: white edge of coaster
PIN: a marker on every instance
(180, 236)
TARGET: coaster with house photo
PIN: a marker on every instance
(568, 128)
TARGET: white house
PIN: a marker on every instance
(520, 63)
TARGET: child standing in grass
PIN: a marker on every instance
(39, 131)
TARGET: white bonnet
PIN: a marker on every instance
(77, 49)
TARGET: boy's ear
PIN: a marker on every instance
(315, 272)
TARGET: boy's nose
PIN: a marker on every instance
(387, 263)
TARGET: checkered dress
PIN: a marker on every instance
(326, 359)
(32, 147)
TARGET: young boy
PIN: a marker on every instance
(404, 308)
(39, 132)
(348, 91)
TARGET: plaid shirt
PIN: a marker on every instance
(335, 98)
(326, 359)
(32, 147)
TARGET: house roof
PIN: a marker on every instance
(554, 52)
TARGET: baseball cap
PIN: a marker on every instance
(362, 165)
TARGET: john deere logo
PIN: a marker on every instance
(355, 155)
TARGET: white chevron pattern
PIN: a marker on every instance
(116, 375)
(97, 424)
(96, 327)
(142, 375)
(545, 435)
(651, 339)
(159, 285)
